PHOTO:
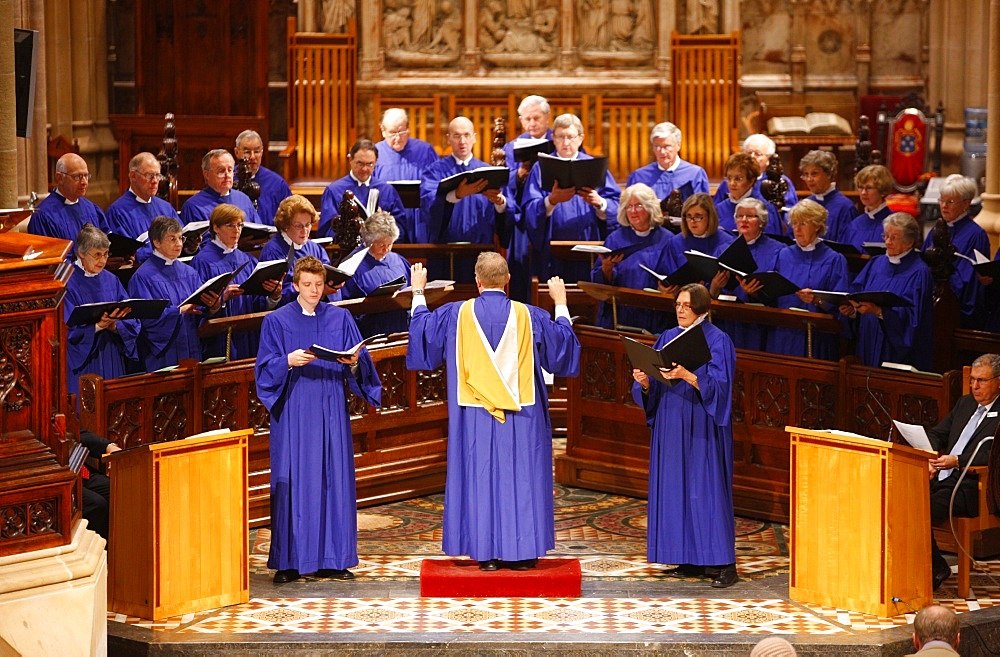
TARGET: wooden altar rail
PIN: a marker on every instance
(607, 445)
(399, 449)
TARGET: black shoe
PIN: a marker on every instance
(523, 564)
(726, 577)
(942, 571)
(685, 570)
(490, 565)
(285, 576)
(331, 573)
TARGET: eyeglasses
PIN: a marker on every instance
(950, 201)
(253, 151)
(395, 133)
(973, 380)
(96, 255)
(635, 207)
(78, 177)
(755, 154)
(812, 174)
(695, 217)
(150, 177)
(682, 306)
(223, 173)
(233, 226)
(300, 226)
(363, 165)
(665, 147)
(736, 179)
(565, 138)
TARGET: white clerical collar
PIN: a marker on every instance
(697, 320)
(876, 210)
(820, 197)
(701, 237)
(169, 261)
(644, 233)
(86, 273)
(464, 162)
(809, 247)
(65, 200)
(672, 167)
(958, 219)
(897, 259)
(746, 194)
(139, 198)
(361, 183)
(225, 249)
(288, 240)
(306, 312)
(750, 242)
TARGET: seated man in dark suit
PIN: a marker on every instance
(974, 418)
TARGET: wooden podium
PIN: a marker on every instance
(178, 528)
(860, 523)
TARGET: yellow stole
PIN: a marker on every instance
(496, 380)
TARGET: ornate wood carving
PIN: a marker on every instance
(599, 372)
(169, 417)
(124, 425)
(393, 374)
(817, 401)
(219, 405)
(432, 387)
(771, 400)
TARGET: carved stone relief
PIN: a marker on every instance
(703, 17)
(615, 31)
(766, 26)
(334, 14)
(422, 33)
(522, 33)
(830, 44)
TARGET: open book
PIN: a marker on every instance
(572, 173)
(983, 265)
(347, 267)
(91, 313)
(323, 353)
(881, 298)
(526, 149)
(495, 177)
(736, 258)
(688, 348)
(216, 284)
(687, 273)
(268, 270)
(409, 192)
(813, 123)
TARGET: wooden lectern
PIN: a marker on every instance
(179, 526)
(860, 523)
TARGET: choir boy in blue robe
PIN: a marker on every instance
(471, 213)
(903, 334)
(498, 506)
(642, 238)
(217, 167)
(578, 215)
(106, 347)
(873, 183)
(295, 218)
(819, 171)
(273, 188)
(402, 157)
(370, 193)
(65, 211)
(699, 232)
(690, 516)
(379, 265)
(135, 210)
(810, 264)
(761, 148)
(669, 171)
(967, 236)
(313, 499)
(741, 172)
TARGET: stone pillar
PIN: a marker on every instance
(989, 217)
(8, 122)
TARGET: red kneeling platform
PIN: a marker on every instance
(461, 578)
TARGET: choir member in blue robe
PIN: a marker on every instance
(810, 264)
(498, 506)
(819, 171)
(379, 265)
(402, 157)
(873, 183)
(471, 213)
(217, 168)
(567, 214)
(642, 238)
(273, 188)
(67, 209)
(370, 193)
(221, 256)
(132, 213)
(313, 499)
(690, 511)
(903, 334)
(699, 232)
(967, 237)
(761, 148)
(165, 341)
(295, 218)
(104, 348)
(741, 172)
(669, 171)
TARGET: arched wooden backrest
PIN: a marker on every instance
(621, 131)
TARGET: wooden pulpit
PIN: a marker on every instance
(860, 523)
(179, 526)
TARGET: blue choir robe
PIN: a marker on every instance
(313, 498)
(199, 207)
(211, 261)
(903, 335)
(690, 511)
(840, 213)
(791, 196)
(370, 274)
(867, 228)
(726, 209)
(746, 335)
(273, 190)
(54, 217)
(967, 236)
(473, 219)
(686, 177)
(672, 257)
(628, 273)
(407, 164)
(89, 351)
(165, 341)
(819, 269)
(519, 252)
(277, 249)
(574, 220)
(498, 491)
(131, 217)
(388, 200)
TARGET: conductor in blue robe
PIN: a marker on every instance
(567, 214)
(761, 148)
(133, 212)
(641, 239)
(690, 518)
(106, 347)
(810, 264)
(378, 266)
(741, 172)
(471, 213)
(498, 506)
(295, 219)
(902, 334)
(273, 188)
(67, 209)
(313, 498)
(819, 171)
(873, 183)
(669, 171)
(217, 167)
(370, 193)
(402, 157)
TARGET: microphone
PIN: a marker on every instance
(884, 409)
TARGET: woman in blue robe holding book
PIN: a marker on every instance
(379, 265)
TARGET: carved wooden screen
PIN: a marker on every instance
(704, 100)
(622, 132)
(322, 126)
(424, 114)
(481, 111)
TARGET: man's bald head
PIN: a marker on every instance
(935, 623)
(72, 176)
(461, 137)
